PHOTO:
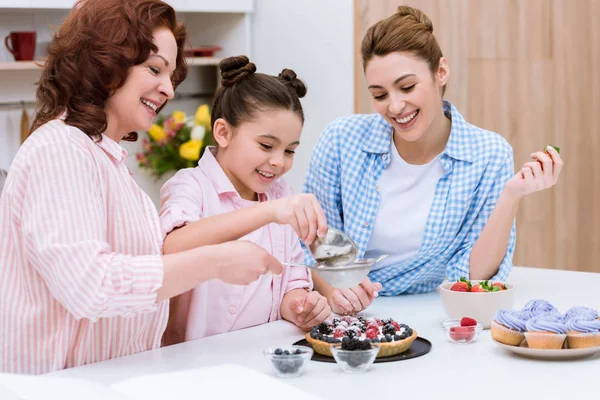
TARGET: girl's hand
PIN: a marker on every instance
(353, 300)
(540, 174)
(303, 213)
(307, 309)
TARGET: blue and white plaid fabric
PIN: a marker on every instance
(344, 169)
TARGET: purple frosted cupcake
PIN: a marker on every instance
(508, 327)
(583, 332)
(581, 312)
(536, 307)
(546, 331)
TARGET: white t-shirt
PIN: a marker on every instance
(406, 192)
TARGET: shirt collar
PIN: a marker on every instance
(459, 144)
(215, 174)
(112, 148)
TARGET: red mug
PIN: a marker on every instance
(22, 45)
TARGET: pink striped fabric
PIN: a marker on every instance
(80, 263)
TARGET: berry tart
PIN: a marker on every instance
(393, 337)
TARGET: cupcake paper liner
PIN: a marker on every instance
(545, 340)
(502, 334)
(580, 340)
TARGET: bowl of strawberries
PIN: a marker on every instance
(476, 298)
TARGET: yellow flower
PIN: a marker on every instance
(190, 150)
(179, 116)
(203, 116)
(157, 133)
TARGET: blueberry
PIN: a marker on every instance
(286, 353)
(319, 337)
(314, 334)
(375, 340)
(388, 338)
(356, 359)
(278, 352)
(397, 337)
(298, 351)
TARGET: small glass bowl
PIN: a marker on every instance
(288, 362)
(461, 334)
(354, 360)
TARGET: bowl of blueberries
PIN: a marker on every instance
(288, 362)
(355, 355)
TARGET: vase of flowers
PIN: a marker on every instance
(175, 142)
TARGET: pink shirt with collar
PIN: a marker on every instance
(80, 256)
(216, 307)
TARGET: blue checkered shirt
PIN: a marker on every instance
(344, 169)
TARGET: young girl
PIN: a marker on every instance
(237, 192)
(415, 180)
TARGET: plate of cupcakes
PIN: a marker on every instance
(540, 330)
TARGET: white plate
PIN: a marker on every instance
(550, 354)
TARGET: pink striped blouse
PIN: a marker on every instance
(80, 263)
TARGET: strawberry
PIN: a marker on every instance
(459, 333)
(477, 288)
(466, 321)
(460, 287)
(396, 325)
(499, 285)
(378, 321)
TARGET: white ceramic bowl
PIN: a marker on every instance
(481, 306)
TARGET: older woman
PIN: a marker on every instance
(82, 278)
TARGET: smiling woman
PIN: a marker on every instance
(415, 180)
(82, 277)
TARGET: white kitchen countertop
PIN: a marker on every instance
(450, 371)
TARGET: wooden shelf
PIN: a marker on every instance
(32, 65)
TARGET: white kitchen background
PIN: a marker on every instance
(313, 37)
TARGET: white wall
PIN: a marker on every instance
(315, 38)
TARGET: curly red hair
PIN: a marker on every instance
(90, 55)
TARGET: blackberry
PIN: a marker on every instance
(325, 329)
(345, 341)
(386, 321)
(350, 333)
(278, 352)
(388, 329)
(364, 345)
(336, 321)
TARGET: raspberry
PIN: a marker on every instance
(339, 332)
(372, 333)
(396, 325)
(459, 333)
(378, 322)
(466, 321)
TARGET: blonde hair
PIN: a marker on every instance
(408, 30)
